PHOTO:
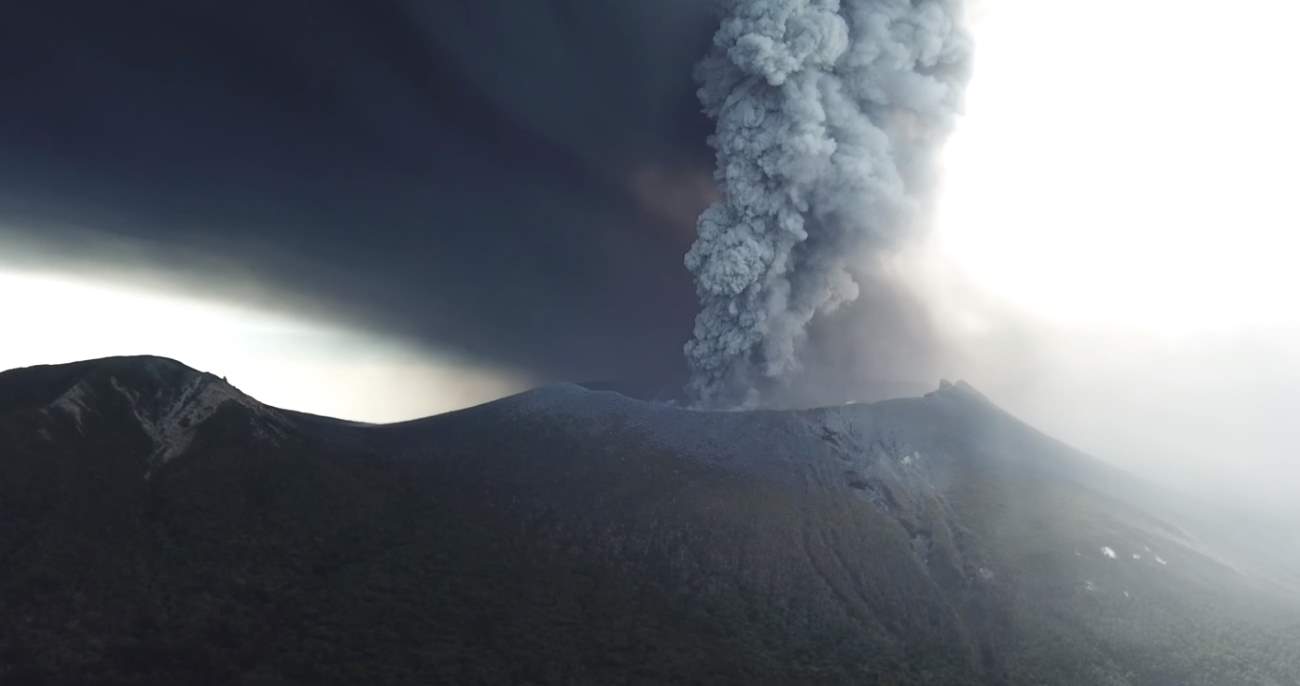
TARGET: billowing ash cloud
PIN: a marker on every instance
(829, 114)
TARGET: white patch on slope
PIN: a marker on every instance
(1109, 552)
(172, 427)
(73, 402)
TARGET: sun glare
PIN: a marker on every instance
(1134, 172)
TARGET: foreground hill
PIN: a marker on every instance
(158, 526)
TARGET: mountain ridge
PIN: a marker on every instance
(565, 535)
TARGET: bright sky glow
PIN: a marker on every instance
(306, 366)
(1117, 234)
(1131, 165)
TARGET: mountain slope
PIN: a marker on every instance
(161, 527)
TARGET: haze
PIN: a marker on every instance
(318, 367)
(1115, 235)
(1109, 256)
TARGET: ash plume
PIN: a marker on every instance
(829, 114)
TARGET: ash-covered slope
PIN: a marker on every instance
(158, 526)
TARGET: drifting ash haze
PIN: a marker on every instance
(829, 115)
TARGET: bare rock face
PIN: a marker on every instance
(157, 526)
(164, 400)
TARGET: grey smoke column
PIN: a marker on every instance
(829, 114)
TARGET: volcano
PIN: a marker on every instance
(158, 526)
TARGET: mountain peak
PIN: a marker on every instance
(166, 399)
(959, 390)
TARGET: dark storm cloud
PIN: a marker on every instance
(609, 81)
(515, 181)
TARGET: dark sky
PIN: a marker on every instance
(513, 180)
